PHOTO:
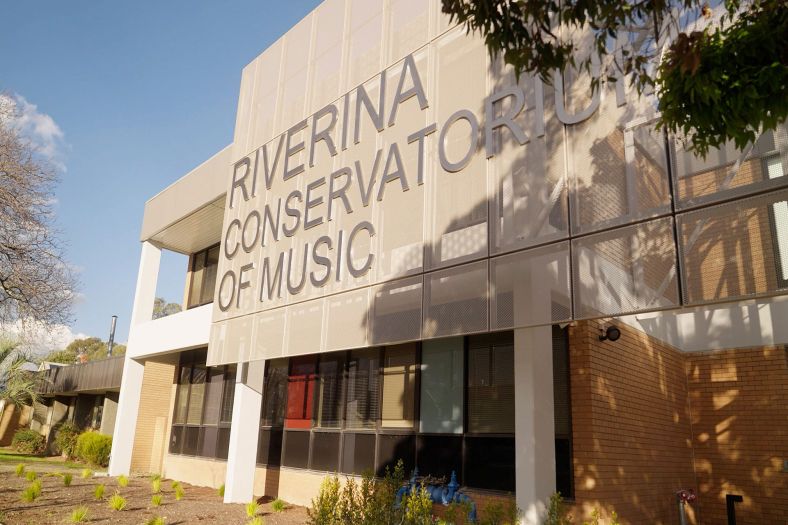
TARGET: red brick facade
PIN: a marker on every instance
(649, 420)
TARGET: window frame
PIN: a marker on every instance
(193, 359)
(193, 259)
(378, 432)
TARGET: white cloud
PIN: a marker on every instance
(39, 128)
(40, 339)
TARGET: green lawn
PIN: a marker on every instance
(11, 456)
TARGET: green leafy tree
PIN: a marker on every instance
(83, 350)
(722, 77)
(162, 308)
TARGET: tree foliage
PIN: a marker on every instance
(35, 282)
(730, 82)
(162, 308)
(18, 386)
(83, 350)
(723, 73)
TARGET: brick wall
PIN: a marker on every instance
(739, 402)
(153, 416)
(630, 426)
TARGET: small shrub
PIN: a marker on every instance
(123, 481)
(220, 491)
(94, 448)
(86, 473)
(66, 439)
(498, 513)
(175, 484)
(20, 470)
(556, 514)
(179, 492)
(155, 500)
(79, 515)
(30, 494)
(155, 486)
(418, 507)
(28, 441)
(156, 520)
(596, 515)
(325, 507)
(98, 492)
(252, 508)
(154, 477)
(257, 520)
(278, 505)
(30, 475)
(117, 502)
(67, 479)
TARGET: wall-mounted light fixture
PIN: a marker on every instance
(612, 333)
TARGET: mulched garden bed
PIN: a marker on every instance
(199, 504)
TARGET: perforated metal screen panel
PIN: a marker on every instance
(521, 203)
(530, 288)
(728, 173)
(625, 270)
(735, 250)
(456, 300)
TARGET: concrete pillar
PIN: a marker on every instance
(126, 422)
(244, 432)
(534, 421)
(109, 412)
(131, 385)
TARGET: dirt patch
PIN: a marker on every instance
(54, 506)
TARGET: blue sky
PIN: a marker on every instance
(142, 92)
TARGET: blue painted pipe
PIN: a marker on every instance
(445, 495)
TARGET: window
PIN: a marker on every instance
(442, 386)
(300, 392)
(779, 219)
(491, 384)
(269, 446)
(357, 410)
(197, 395)
(329, 390)
(204, 266)
(563, 413)
(204, 398)
(362, 406)
(399, 386)
(275, 393)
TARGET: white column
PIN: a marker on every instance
(131, 385)
(534, 424)
(244, 432)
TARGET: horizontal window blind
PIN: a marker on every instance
(363, 404)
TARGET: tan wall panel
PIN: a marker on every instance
(155, 407)
(195, 471)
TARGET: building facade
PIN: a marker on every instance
(407, 253)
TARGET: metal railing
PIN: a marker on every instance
(104, 374)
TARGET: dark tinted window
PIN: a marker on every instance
(392, 448)
(296, 449)
(358, 453)
(325, 451)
